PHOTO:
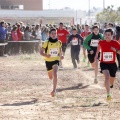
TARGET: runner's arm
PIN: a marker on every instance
(69, 40)
(85, 43)
(116, 47)
(61, 53)
(81, 38)
(42, 50)
(97, 52)
(115, 50)
(102, 37)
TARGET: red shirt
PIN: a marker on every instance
(19, 33)
(85, 34)
(108, 55)
(62, 35)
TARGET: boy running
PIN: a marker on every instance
(91, 44)
(62, 36)
(52, 52)
(84, 35)
(108, 66)
(76, 40)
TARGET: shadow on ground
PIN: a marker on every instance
(79, 86)
(33, 101)
(90, 105)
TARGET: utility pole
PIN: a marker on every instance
(49, 4)
(76, 15)
(103, 4)
(89, 8)
(89, 11)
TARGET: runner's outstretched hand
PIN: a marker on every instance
(48, 56)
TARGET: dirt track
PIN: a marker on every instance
(25, 92)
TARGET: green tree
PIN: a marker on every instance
(109, 15)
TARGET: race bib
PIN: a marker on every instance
(107, 56)
(54, 52)
(94, 43)
(75, 42)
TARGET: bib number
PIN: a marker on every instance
(74, 42)
(94, 43)
(107, 56)
(54, 52)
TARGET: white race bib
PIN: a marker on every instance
(54, 52)
(75, 42)
(94, 43)
(107, 56)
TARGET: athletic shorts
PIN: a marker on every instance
(112, 67)
(49, 65)
(91, 58)
(64, 46)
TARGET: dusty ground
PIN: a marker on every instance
(25, 92)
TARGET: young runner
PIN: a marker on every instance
(52, 52)
(84, 35)
(108, 66)
(91, 44)
(117, 37)
(76, 40)
(62, 36)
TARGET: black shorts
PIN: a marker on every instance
(49, 65)
(112, 67)
(91, 58)
(64, 46)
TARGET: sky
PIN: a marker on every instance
(78, 4)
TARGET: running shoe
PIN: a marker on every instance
(111, 86)
(84, 59)
(109, 98)
(95, 81)
(88, 64)
(78, 61)
(75, 68)
(118, 69)
(53, 93)
(61, 67)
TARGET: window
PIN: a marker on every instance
(19, 7)
(5, 7)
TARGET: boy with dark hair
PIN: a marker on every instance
(52, 52)
(109, 48)
(91, 44)
(76, 41)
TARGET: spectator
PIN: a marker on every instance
(15, 47)
(38, 36)
(79, 30)
(44, 33)
(118, 39)
(3, 32)
(27, 47)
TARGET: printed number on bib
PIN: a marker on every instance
(94, 43)
(54, 52)
(107, 56)
(75, 42)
